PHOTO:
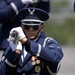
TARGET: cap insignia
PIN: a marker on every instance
(31, 11)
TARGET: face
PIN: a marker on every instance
(33, 31)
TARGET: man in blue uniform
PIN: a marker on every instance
(29, 52)
(8, 11)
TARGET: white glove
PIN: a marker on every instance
(29, 1)
(14, 46)
(19, 34)
(26, 1)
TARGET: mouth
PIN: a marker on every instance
(31, 34)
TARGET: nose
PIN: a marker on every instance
(31, 29)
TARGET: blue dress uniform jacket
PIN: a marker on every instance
(46, 50)
(9, 19)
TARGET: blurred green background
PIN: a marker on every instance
(61, 25)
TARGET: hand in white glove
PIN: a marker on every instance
(29, 1)
(14, 46)
(16, 34)
(26, 1)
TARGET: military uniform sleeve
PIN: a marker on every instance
(10, 10)
(45, 5)
(2, 68)
(12, 59)
(5, 53)
(52, 52)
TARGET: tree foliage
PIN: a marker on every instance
(62, 29)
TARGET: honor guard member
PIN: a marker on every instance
(30, 53)
(8, 15)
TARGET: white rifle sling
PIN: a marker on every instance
(39, 50)
(14, 7)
